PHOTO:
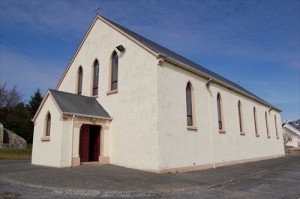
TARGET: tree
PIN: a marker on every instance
(287, 137)
(32, 107)
(9, 98)
(16, 116)
(34, 103)
(18, 121)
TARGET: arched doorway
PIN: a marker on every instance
(89, 150)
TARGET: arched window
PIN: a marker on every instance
(220, 113)
(267, 124)
(114, 71)
(240, 116)
(96, 77)
(79, 80)
(255, 122)
(276, 126)
(189, 104)
(48, 124)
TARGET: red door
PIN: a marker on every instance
(94, 152)
(84, 143)
(89, 149)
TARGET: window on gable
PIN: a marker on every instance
(114, 71)
(95, 78)
(220, 113)
(189, 105)
(255, 121)
(240, 116)
(79, 81)
(48, 124)
(267, 124)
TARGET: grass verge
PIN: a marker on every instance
(16, 154)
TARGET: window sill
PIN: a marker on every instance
(277, 137)
(111, 92)
(243, 134)
(257, 135)
(45, 138)
(193, 128)
(222, 131)
(269, 136)
(95, 96)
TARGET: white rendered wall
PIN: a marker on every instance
(66, 142)
(47, 153)
(134, 134)
(294, 142)
(180, 147)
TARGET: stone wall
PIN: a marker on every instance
(8, 139)
(293, 152)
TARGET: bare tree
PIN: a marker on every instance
(3, 95)
(287, 137)
(9, 98)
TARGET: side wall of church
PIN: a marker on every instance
(204, 146)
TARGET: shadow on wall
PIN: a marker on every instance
(9, 139)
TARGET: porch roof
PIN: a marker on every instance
(78, 105)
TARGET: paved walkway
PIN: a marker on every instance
(114, 181)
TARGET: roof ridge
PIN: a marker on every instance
(72, 94)
(180, 59)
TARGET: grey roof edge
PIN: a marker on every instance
(236, 88)
(90, 116)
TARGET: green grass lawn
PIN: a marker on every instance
(16, 154)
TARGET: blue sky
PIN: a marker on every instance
(255, 43)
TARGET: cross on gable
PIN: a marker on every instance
(98, 8)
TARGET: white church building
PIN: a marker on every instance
(128, 101)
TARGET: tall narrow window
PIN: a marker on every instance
(79, 81)
(189, 104)
(114, 71)
(267, 124)
(220, 113)
(255, 122)
(276, 126)
(48, 124)
(240, 116)
(96, 78)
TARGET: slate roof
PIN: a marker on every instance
(295, 124)
(292, 127)
(182, 60)
(72, 104)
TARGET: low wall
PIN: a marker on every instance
(293, 152)
(8, 139)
